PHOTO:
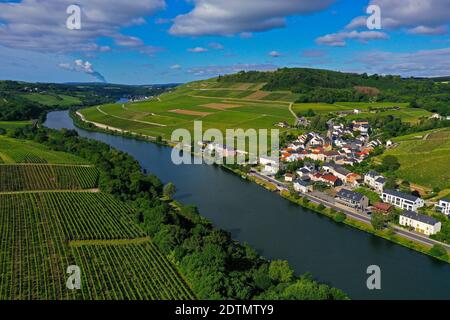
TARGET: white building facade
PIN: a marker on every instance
(444, 207)
(420, 223)
(402, 200)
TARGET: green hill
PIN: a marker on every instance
(26, 101)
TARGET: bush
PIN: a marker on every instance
(340, 217)
(438, 251)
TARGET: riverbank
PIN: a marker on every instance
(385, 234)
(388, 234)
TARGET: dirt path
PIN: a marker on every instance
(49, 164)
(96, 190)
(293, 113)
(139, 121)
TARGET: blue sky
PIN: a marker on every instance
(160, 41)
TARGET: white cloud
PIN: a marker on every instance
(429, 30)
(340, 39)
(214, 70)
(216, 46)
(197, 50)
(176, 67)
(419, 16)
(82, 66)
(274, 54)
(219, 17)
(423, 63)
(40, 25)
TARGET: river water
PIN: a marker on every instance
(334, 253)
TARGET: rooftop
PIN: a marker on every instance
(350, 195)
(382, 206)
(402, 195)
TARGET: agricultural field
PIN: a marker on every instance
(424, 158)
(11, 125)
(141, 274)
(28, 177)
(21, 151)
(53, 100)
(222, 106)
(160, 117)
(410, 115)
(45, 228)
(44, 233)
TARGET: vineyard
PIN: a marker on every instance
(21, 151)
(39, 241)
(47, 177)
(149, 277)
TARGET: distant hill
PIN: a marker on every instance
(25, 101)
(315, 85)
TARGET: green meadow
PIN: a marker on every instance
(53, 100)
(424, 158)
(11, 125)
(179, 109)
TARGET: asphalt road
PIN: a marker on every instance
(360, 217)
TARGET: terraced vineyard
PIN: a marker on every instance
(47, 177)
(38, 232)
(21, 151)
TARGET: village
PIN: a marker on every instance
(327, 178)
(318, 167)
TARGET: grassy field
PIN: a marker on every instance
(181, 108)
(11, 125)
(424, 158)
(43, 233)
(21, 151)
(222, 106)
(53, 100)
(411, 115)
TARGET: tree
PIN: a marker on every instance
(169, 190)
(438, 251)
(390, 183)
(280, 271)
(377, 221)
(340, 217)
(390, 163)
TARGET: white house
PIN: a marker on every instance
(444, 206)
(402, 200)
(375, 180)
(420, 223)
(270, 169)
(303, 186)
(268, 161)
(289, 177)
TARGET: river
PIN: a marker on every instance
(334, 253)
